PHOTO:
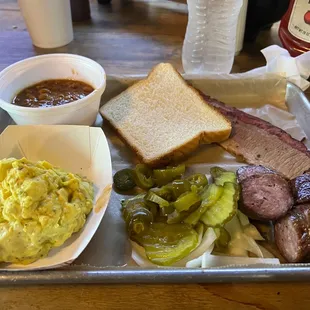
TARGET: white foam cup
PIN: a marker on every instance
(32, 70)
(48, 22)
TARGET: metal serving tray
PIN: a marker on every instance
(107, 259)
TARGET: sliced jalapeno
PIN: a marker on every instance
(153, 197)
(165, 176)
(143, 176)
(198, 179)
(137, 217)
(179, 187)
(124, 180)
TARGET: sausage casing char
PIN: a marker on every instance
(247, 171)
(301, 188)
(292, 234)
(260, 143)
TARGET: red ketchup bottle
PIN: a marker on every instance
(294, 31)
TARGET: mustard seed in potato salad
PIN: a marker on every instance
(41, 206)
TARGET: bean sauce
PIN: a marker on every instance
(51, 93)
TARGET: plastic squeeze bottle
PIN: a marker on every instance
(209, 44)
(294, 30)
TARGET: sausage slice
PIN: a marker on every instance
(301, 188)
(265, 196)
(292, 234)
(247, 171)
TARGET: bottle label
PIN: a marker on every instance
(299, 23)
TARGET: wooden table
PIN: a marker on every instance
(126, 37)
(130, 37)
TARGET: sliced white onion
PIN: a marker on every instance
(210, 260)
(234, 227)
(252, 246)
(239, 256)
(195, 263)
(248, 228)
(251, 231)
(266, 253)
(204, 262)
(139, 256)
(242, 242)
(205, 246)
(244, 220)
(236, 250)
(235, 247)
(207, 241)
(243, 236)
(198, 262)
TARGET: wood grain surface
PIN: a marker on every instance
(220, 296)
(125, 37)
(130, 37)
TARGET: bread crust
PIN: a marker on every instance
(173, 156)
(189, 146)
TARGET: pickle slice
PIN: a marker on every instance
(222, 176)
(165, 244)
(209, 198)
(212, 193)
(224, 209)
(185, 201)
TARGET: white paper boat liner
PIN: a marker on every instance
(77, 149)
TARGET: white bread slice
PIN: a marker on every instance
(162, 118)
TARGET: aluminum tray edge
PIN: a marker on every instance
(138, 275)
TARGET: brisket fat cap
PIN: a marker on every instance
(292, 234)
(265, 197)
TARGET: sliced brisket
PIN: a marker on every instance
(258, 142)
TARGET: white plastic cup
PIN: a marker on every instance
(32, 70)
(48, 22)
(241, 27)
